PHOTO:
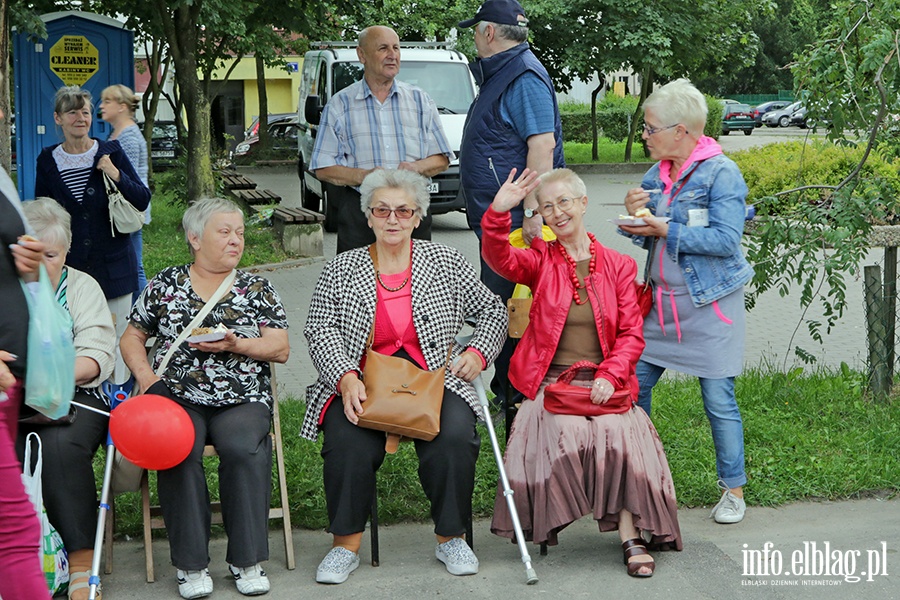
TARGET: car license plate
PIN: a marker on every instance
(163, 154)
(433, 188)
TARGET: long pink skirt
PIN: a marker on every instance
(564, 467)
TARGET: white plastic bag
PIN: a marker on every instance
(53, 554)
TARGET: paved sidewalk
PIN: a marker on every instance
(585, 564)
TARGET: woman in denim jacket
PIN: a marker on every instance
(695, 196)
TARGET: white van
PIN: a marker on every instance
(443, 73)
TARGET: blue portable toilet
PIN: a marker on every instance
(93, 51)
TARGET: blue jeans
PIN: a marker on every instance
(724, 419)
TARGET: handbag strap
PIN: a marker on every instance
(374, 254)
(569, 374)
(684, 181)
(217, 295)
(109, 184)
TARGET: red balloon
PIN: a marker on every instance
(152, 431)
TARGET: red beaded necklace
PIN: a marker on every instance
(576, 283)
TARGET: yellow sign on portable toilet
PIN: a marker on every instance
(74, 59)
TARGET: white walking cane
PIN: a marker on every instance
(530, 576)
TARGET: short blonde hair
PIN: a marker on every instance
(51, 222)
(566, 176)
(679, 102)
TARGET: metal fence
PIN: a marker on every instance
(754, 99)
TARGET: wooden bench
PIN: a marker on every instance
(237, 182)
(257, 196)
(300, 231)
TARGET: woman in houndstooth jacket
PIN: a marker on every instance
(419, 298)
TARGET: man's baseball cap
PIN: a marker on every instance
(502, 12)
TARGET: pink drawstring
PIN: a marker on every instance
(659, 292)
(719, 314)
(675, 315)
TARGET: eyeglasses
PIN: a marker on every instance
(382, 212)
(563, 204)
(651, 130)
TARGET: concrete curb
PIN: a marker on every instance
(611, 168)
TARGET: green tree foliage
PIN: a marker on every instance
(850, 79)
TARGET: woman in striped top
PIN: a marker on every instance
(70, 173)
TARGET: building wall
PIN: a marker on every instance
(281, 85)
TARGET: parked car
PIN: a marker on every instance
(282, 137)
(737, 117)
(273, 117)
(780, 117)
(164, 147)
(761, 109)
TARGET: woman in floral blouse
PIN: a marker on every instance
(225, 387)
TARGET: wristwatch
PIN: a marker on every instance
(530, 212)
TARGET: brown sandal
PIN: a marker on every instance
(637, 547)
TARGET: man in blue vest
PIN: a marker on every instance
(513, 123)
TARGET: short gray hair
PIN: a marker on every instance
(412, 183)
(71, 97)
(197, 216)
(51, 222)
(513, 33)
(679, 102)
(566, 176)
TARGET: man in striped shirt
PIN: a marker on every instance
(376, 123)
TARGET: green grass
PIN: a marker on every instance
(807, 436)
(165, 246)
(608, 151)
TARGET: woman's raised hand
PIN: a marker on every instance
(513, 190)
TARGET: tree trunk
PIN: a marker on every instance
(263, 102)
(646, 84)
(5, 150)
(181, 30)
(152, 96)
(595, 150)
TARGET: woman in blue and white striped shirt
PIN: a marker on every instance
(70, 173)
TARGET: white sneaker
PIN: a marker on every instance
(194, 584)
(337, 565)
(457, 556)
(730, 508)
(250, 581)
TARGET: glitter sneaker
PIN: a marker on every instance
(457, 556)
(337, 565)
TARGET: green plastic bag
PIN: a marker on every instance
(50, 369)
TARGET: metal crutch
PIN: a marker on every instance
(530, 576)
(116, 394)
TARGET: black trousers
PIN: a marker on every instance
(240, 434)
(353, 225)
(353, 455)
(70, 494)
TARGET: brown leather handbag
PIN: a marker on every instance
(401, 399)
(562, 398)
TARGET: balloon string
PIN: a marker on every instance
(91, 408)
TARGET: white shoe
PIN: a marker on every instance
(337, 565)
(457, 556)
(250, 581)
(194, 584)
(730, 508)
